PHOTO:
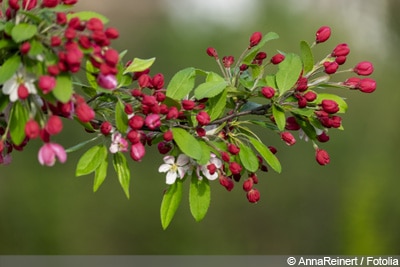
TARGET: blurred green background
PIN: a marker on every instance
(348, 207)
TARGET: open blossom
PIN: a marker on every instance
(49, 152)
(209, 170)
(118, 143)
(21, 80)
(175, 169)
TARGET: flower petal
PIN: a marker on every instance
(164, 168)
(59, 152)
(171, 177)
(169, 159)
(182, 160)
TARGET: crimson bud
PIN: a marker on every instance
(253, 196)
(330, 106)
(105, 128)
(364, 68)
(322, 157)
(203, 118)
(212, 52)
(138, 151)
(268, 92)
(278, 58)
(54, 125)
(322, 34)
(32, 129)
(367, 85)
(255, 39)
(288, 138)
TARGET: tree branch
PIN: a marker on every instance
(262, 110)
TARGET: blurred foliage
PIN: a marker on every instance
(348, 207)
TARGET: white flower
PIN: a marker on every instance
(173, 169)
(118, 143)
(206, 171)
(21, 77)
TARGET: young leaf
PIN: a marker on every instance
(100, 174)
(18, 118)
(248, 158)
(87, 15)
(209, 89)
(206, 152)
(89, 75)
(306, 56)
(199, 197)
(216, 105)
(170, 203)
(138, 65)
(64, 89)
(340, 101)
(181, 84)
(288, 73)
(23, 31)
(122, 170)
(267, 155)
(214, 77)
(279, 116)
(187, 143)
(9, 68)
(121, 119)
(91, 160)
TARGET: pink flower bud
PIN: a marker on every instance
(330, 106)
(235, 168)
(352, 82)
(105, 128)
(47, 83)
(111, 33)
(253, 196)
(310, 96)
(32, 129)
(291, 124)
(158, 81)
(107, 81)
(302, 84)
(203, 118)
(268, 92)
(25, 47)
(255, 39)
(278, 58)
(49, 152)
(228, 61)
(261, 56)
(364, 68)
(226, 182)
(234, 150)
(335, 121)
(340, 60)
(331, 67)
(152, 121)
(248, 184)
(225, 156)
(84, 112)
(288, 138)
(138, 151)
(54, 125)
(212, 52)
(367, 85)
(323, 137)
(111, 57)
(322, 157)
(322, 34)
(149, 100)
(136, 122)
(172, 114)
(134, 136)
(95, 24)
(23, 92)
(188, 104)
(340, 50)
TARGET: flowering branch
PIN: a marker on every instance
(203, 131)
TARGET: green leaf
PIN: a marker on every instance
(80, 145)
(209, 89)
(181, 84)
(122, 170)
(270, 80)
(170, 203)
(214, 77)
(253, 52)
(138, 65)
(267, 155)
(5, 43)
(340, 101)
(23, 31)
(288, 73)
(206, 152)
(91, 160)
(279, 116)
(248, 158)
(199, 197)
(187, 143)
(9, 68)
(307, 57)
(89, 76)
(216, 105)
(121, 119)
(87, 15)
(36, 48)
(18, 118)
(100, 174)
(64, 89)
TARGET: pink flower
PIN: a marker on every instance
(118, 143)
(152, 121)
(107, 81)
(49, 152)
(138, 151)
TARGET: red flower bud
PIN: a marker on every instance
(47, 83)
(268, 92)
(367, 85)
(322, 157)
(234, 150)
(111, 57)
(188, 104)
(172, 114)
(168, 136)
(278, 58)
(291, 124)
(322, 34)
(340, 50)
(255, 39)
(134, 136)
(272, 149)
(212, 52)
(228, 61)
(152, 121)
(105, 128)
(331, 67)
(323, 137)
(23, 92)
(253, 196)
(302, 84)
(138, 151)
(235, 168)
(203, 118)
(248, 184)
(158, 81)
(330, 106)
(226, 182)
(84, 112)
(54, 125)
(136, 122)
(49, 3)
(61, 18)
(364, 68)
(254, 177)
(310, 96)
(164, 147)
(340, 60)
(111, 33)
(261, 56)
(25, 47)
(32, 129)
(335, 121)
(225, 156)
(352, 82)
(288, 138)
(108, 82)
(149, 100)
(95, 24)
